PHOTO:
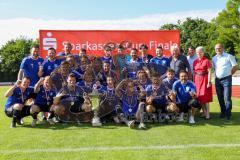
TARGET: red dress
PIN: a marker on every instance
(200, 67)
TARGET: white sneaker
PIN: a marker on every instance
(181, 119)
(51, 122)
(34, 122)
(191, 120)
(131, 124)
(96, 122)
(116, 120)
(142, 126)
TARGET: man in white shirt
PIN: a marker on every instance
(225, 66)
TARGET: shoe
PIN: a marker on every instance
(34, 122)
(96, 122)
(228, 117)
(116, 120)
(181, 119)
(50, 121)
(13, 125)
(131, 124)
(19, 122)
(142, 126)
(222, 115)
(44, 121)
(191, 120)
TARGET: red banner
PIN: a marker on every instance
(94, 40)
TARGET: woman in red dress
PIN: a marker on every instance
(202, 79)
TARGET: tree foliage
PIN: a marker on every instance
(12, 54)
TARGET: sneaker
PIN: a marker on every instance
(13, 125)
(131, 124)
(19, 122)
(34, 122)
(181, 119)
(142, 126)
(96, 122)
(191, 120)
(116, 120)
(50, 121)
(44, 121)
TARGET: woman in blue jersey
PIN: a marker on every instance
(44, 99)
(129, 97)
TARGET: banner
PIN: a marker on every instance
(94, 40)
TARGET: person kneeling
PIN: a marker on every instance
(44, 99)
(185, 92)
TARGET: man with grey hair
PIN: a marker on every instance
(178, 61)
(225, 66)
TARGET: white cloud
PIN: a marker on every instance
(27, 27)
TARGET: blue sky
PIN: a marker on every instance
(27, 17)
(100, 9)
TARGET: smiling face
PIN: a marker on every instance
(35, 52)
(25, 83)
(183, 76)
(130, 87)
(156, 82)
(110, 82)
(71, 81)
(106, 67)
(47, 82)
(219, 49)
(51, 54)
(170, 75)
(67, 48)
(134, 54)
(142, 77)
(159, 52)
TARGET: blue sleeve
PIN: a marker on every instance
(23, 63)
(174, 88)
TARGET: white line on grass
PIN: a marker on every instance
(120, 148)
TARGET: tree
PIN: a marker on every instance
(228, 26)
(12, 54)
(194, 32)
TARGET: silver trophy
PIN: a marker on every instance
(95, 100)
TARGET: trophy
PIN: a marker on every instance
(95, 100)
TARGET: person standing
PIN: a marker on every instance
(202, 79)
(30, 66)
(179, 62)
(225, 66)
(191, 57)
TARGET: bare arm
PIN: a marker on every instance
(10, 90)
(20, 74)
(209, 78)
(40, 71)
(234, 69)
(37, 86)
(120, 88)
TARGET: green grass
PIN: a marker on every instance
(214, 131)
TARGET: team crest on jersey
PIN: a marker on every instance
(187, 89)
(49, 67)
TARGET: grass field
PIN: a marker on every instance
(215, 139)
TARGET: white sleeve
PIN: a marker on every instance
(232, 60)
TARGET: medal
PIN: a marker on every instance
(48, 103)
(72, 103)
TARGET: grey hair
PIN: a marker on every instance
(200, 48)
(174, 47)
